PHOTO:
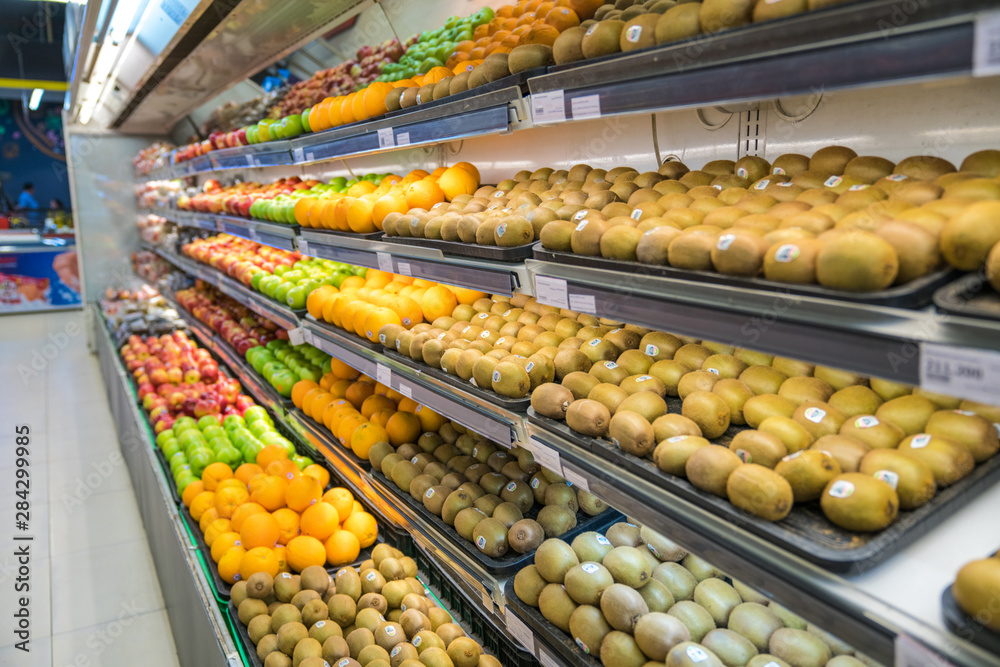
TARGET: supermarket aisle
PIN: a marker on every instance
(95, 599)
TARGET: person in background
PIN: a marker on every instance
(27, 198)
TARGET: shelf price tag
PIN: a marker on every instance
(487, 601)
(385, 138)
(403, 139)
(303, 246)
(405, 390)
(249, 160)
(519, 631)
(986, 45)
(404, 269)
(545, 456)
(296, 336)
(551, 291)
(549, 107)
(383, 375)
(911, 653)
(583, 303)
(586, 106)
(298, 155)
(960, 372)
(384, 261)
(576, 479)
(546, 660)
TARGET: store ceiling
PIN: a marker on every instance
(32, 44)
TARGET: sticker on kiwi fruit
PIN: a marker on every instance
(582, 225)
(610, 365)
(677, 438)
(744, 456)
(713, 371)
(501, 229)
(481, 541)
(343, 662)
(762, 185)
(496, 376)
(417, 641)
(920, 441)
(787, 253)
(696, 654)
(370, 576)
(399, 647)
(787, 184)
(580, 215)
(791, 456)
(833, 181)
(390, 631)
(887, 476)
(897, 177)
(778, 170)
(590, 30)
(512, 486)
(429, 494)
(867, 421)
(858, 187)
(485, 334)
(583, 647)
(652, 350)
(633, 33)
(414, 460)
(725, 241)
(636, 214)
(815, 415)
(965, 412)
(841, 489)
(529, 366)
(603, 540)
(595, 342)
(589, 568)
(535, 483)
(381, 338)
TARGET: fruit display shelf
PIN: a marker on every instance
(472, 411)
(847, 46)
(893, 343)
(966, 626)
(270, 154)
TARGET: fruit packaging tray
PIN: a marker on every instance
(472, 250)
(243, 635)
(553, 637)
(806, 531)
(965, 626)
(915, 294)
(486, 395)
(970, 296)
(507, 565)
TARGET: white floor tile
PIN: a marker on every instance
(119, 642)
(96, 586)
(39, 654)
(94, 522)
(74, 480)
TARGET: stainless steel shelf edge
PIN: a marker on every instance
(427, 263)
(830, 602)
(200, 632)
(494, 423)
(878, 341)
(269, 154)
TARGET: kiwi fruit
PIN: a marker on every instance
(948, 461)
(695, 618)
(588, 417)
(759, 491)
(588, 628)
(808, 472)
(525, 535)
(798, 647)
(528, 585)
(755, 622)
(628, 566)
(622, 606)
(859, 502)
(971, 431)
(557, 606)
(910, 413)
(975, 588)
(709, 411)
(623, 534)
(553, 559)
(586, 582)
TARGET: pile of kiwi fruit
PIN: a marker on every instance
(485, 492)
(767, 432)
(632, 597)
(373, 616)
(630, 25)
(976, 588)
(507, 345)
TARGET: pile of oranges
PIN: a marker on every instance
(269, 517)
(363, 306)
(361, 412)
(364, 205)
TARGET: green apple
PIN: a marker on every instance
(183, 423)
(213, 432)
(172, 448)
(230, 456)
(207, 421)
(255, 413)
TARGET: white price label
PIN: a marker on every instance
(545, 456)
(385, 139)
(310, 157)
(487, 602)
(249, 160)
(308, 337)
(384, 261)
(383, 374)
(586, 106)
(548, 107)
(911, 653)
(405, 390)
(296, 336)
(298, 155)
(986, 45)
(519, 631)
(403, 139)
(960, 372)
(546, 660)
(583, 303)
(576, 479)
(551, 291)
(404, 269)
(303, 246)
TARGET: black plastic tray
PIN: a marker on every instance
(337, 332)
(166, 471)
(553, 637)
(488, 395)
(970, 296)
(915, 294)
(509, 565)
(965, 626)
(372, 236)
(472, 250)
(243, 635)
(805, 531)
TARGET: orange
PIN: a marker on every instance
(320, 520)
(326, 381)
(375, 278)
(224, 543)
(541, 34)
(386, 204)
(562, 18)
(216, 528)
(407, 405)
(438, 302)
(364, 438)
(342, 501)
(477, 53)
(284, 469)
(481, 31)
(354, 282)
(467, 296)
(526, 18)
(288, 524)
(457, 181)
(346, 428)
(319, 472)
(358, 392)
(247, 471)
(258, 559)
(192, 490)
(409, 311)
(374, 98)
(303, 491)
(231, 483)
(429, 420)
(304, 551)
(314, 304)
(424, 194)
(357, 508)
(359, 216)
(381, 417)
(270, 454)
(201, 503)
(229, 565)
(585, 9)
(361, 314)
(260, 530)
(341, 370)
(335, 412)
(303, 386)
(279, 553)
(403, 427)
(358, 106)
(243, 512)
(346, 109)
(302, 208)
(374, 403)
(268, 491)
(377, 319)
(307, 404)
(342, 548)
(319, 404)
(339, 389)
(333, 115)
(363, 525)
(210, 515)
(227, 500)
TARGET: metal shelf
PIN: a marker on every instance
(848, 46)
(270, 154)
(874, 340)
(408, 260)
(867, 613)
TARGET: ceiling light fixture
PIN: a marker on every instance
(36, 98)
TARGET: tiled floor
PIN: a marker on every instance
(95, 599)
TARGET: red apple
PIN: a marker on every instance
(158, 376)
(175, 375)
